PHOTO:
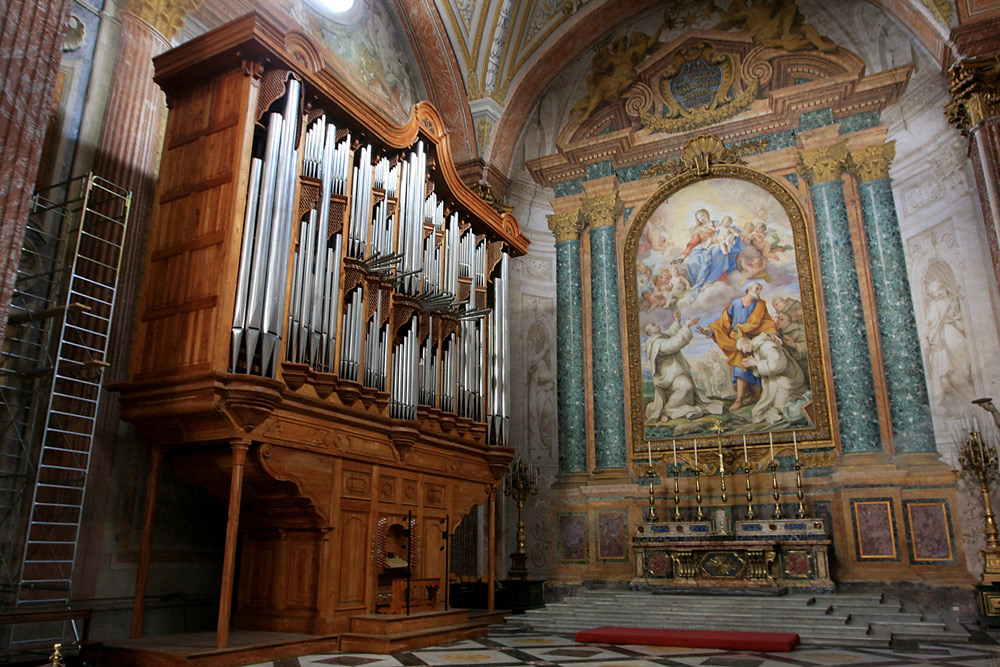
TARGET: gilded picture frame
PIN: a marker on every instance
(676, 245)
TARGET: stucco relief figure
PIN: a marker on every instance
(774, 23)
(541, 388)
(781, 376)
(948, 363)
(744, 318)
(613, 69)
(675, 394)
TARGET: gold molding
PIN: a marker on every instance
(824, 164)
(871, 162)
(974, 87)
(166, 17)
(566, 226)
(601, 210)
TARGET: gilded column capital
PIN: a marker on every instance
(601, 210)
(166, 16)
(871, 162)
(566, 226)
(821, 165)
(974, 87)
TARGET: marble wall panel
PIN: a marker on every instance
(874, 529)
(929, 532)
(611, 532)
(573, 538)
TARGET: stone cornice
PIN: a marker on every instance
(974, 87)
(566, 226)
(872, 162)
(601, 210)
(824, 164)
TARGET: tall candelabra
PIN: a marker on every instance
(978, 463)
(651, 475)
(521, 483)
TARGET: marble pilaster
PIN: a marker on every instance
(853, 384)
(601, 212)
(31, 39)
(571, 409)
(913, 429)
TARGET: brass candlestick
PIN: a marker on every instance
(697, 491)
(677, 496)
(521, 483)
(978, 463)
(750, 515)
(717, 427)
(801, 512)
(774, 485)
(652, 510)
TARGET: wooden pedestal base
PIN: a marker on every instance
(988, 604)
(519, 595)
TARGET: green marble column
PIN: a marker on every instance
(853, 385)
(608, 372)
(913, 429)
(571, 410)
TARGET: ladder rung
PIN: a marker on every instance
(74, 506)
(53, 448)
(74, 398)
(67, 432)
(45, 313)
(54, 523)
(59, 486)
(89, 332)
(48, 542)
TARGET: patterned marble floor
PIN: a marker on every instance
(509, 648)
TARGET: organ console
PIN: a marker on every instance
(322, 339)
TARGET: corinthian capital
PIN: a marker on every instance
(601, 210)
(167, 16)
(974, 87)
(566, 226)
(872, 162)
(821, 165)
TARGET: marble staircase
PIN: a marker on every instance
(845, 619)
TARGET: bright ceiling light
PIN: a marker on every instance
(336, 6)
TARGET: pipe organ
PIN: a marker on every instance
(323, 337)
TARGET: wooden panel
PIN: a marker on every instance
(354, 554)
(256, 585)
(302, 572)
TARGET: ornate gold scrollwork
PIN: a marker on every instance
(871, 162)
(821, 165)
(723, 103)
(974, 87)
(566, 226)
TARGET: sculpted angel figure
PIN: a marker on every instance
(774, 23)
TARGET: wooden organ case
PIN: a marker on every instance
(322, 332)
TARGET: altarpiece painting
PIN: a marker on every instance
(722, 317)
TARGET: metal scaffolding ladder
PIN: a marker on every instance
(51, 374)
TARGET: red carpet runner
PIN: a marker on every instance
(745, 641)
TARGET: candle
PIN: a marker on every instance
(649, 453)
(770, 437)
(696, 452)
(795, 444)
(746, 457)
(675, 452)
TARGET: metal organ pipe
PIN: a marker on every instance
(246, 261)
(420, 249)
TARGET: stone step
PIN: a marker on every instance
(816, 636)
(666, 620)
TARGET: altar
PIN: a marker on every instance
(722, 553)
